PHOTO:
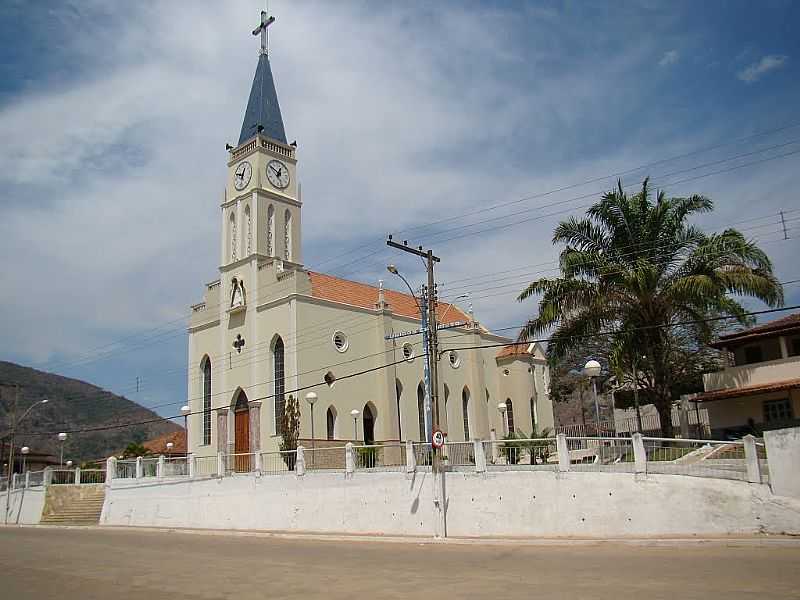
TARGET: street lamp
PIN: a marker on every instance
(311, 398)
(354, 413)
(62, 437)
(502, 408)
(186, 411)
(170, 446)
(14, 424)
(592, 370)
(69, 464)
(25, 451)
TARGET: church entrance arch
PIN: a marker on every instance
(369, 424)
(241, 413)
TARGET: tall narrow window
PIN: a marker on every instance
(398, 388)
(232, 229)
(270, 230)
(287, 236)
(207, 402)
(279, 383)
(510, 415)
(533, 414)
(249, 230)
(465, 408)
(421, 410)
(331, 422)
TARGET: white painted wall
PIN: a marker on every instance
(783, 450)
(503, 503)
(25, 506)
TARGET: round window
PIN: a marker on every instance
(330, 378)
(455, 359)
(340, 341)
(506, 372)
(408, 352)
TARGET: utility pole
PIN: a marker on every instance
(430, 331)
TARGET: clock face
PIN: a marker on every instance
(278, 174)
(242, 174)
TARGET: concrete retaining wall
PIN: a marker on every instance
(504, 503)
(25, 506)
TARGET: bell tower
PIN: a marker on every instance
(261, 207)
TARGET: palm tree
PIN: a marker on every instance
(635, 269)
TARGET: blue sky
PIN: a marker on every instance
(114, 124)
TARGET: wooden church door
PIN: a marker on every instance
(242, 460)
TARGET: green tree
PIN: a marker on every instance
(134, 449)
(536, 445)
(290, 431)
(634, 269)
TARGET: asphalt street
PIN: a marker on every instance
(67, 564)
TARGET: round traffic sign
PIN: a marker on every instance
(437, 439)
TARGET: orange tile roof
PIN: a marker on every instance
(514, 350)
(787, 324)
(748, 390)
(159, 445)
(328, 287)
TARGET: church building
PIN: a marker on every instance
(268, 328)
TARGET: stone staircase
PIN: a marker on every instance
(73, 505)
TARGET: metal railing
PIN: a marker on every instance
(149, 467)
(388, 457)
(702, 458)
(458, 454)
(423, 455)
(275, 463)
(35, 478)
(206, 466)
(88, 476)
(240, 462)
(175, 467)
(126, 469)
(62, 477)
(523, 454)
(601, 454)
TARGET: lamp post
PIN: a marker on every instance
(186, 411)
(170, 446)
(311, 398)
(62, 437)
(592, 369)
(502, 408)
(25, 451)
(354, 413)
(14, 424)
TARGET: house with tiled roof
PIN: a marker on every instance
(267, 328)
(759, 388)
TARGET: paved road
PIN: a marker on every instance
(148, 565)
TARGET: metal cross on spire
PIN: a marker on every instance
(262, 29)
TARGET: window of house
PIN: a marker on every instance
(794, 347)
(207, 402)
(753, 354)
(465, 408)
(777, 411)
(331, 422)
(279, 383)
(421, 410)
(510, 415)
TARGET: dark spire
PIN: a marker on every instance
(262, 106)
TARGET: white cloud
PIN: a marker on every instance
(670, 58)
(112, 218)
(755, 71)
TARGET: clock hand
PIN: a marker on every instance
(276, 172)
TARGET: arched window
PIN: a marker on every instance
(368, 422)
(207, 401)
(421, 410)
(287, 235)
(330, 418)
(232, 235)
(465, 408)
(510, 415)
(398, 388)
(249, 230)
(279, 382)
(270, 231)
(533, 414)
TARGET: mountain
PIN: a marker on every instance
(73, 405)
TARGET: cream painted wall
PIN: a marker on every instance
(735, 412)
